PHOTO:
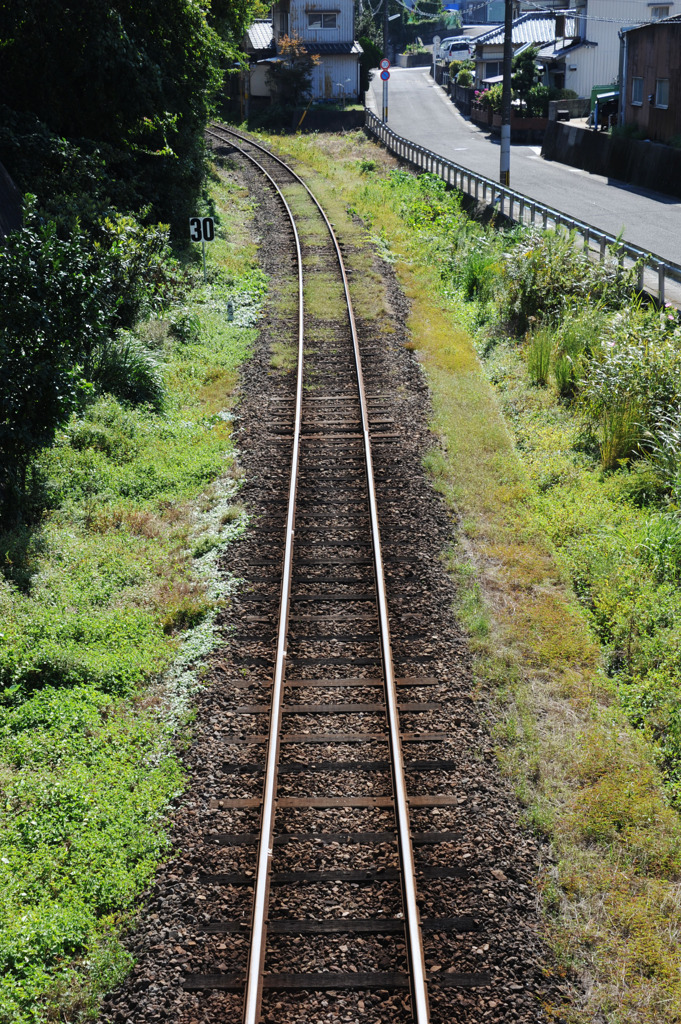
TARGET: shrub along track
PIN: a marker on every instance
(336, 862)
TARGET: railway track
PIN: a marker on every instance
(332, 601)
(304, 887)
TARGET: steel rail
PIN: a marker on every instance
(414, 941)
(253, 992)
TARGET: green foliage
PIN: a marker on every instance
(524, 74)
(491, 98)
(91, 599)
(134, 79)
(577, 338)
(368, 61)
(634, 384)
(290, 76)
(539, 349)
(464, 77)
(62, 301)
(124, 368)
(537, 101)
(544, 273)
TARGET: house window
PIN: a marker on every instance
(493, 68)
(322, 19)
(637, 91)
(662, 92)
(657, 13)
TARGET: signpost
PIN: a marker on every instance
(385, 75)
(202, 229)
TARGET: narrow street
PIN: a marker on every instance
(422, 112)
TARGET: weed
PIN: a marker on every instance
(539, 349)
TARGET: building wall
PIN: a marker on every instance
(345, 21)
(654, 52)
(600, 24)
(336, 78)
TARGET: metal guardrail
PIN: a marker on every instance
(653, 271)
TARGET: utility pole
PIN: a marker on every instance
(385, 28)
(505, 160)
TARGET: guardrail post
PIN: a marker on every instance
(533, 213)
(602, 248)
(545, 218)
(510, 205)
(586, 234)
(477, 187)
(660, 282)
(639, 278)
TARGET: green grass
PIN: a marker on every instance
(107, 601)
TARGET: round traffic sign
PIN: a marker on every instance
(385, 75)
(384, 64)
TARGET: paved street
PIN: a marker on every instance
(422, 112)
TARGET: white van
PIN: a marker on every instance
(455, 49)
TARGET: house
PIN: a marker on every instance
(327, 28)
(651, 79)
(528, 30)
(593, 57)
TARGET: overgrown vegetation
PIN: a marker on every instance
(109, 584)
(568, 561)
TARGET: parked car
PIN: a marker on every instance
(456, 49)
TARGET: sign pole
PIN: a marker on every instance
(202, 229)
(385, 75)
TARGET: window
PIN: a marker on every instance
(637, 91)
(657, 13)
(662, 92)
(493, 68)
(322, 19)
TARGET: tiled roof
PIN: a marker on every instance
(552, 51)
(528, 29)
(259, 36)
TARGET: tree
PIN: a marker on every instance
(136, 77)
(61, 303)
(369, 61)
(290, 77)
(524, 74)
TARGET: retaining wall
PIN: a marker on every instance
(645, 164)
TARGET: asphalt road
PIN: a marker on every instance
(422, 112)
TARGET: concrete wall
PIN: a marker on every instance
(646, 164)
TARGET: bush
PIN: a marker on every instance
(491, 98)
(545, 272)
(368, 61)
(62, 300)
(124, 368)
